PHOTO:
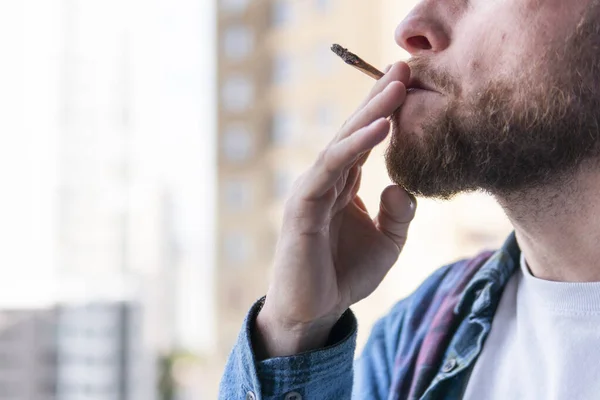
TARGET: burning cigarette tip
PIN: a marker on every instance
(344, 54)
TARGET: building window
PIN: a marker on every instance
(237, 247)
(234, 6)
(238, 194)
(323, 5)
(237, 93)
(282, 69)
(281, 12)
(8, 359)
(238, 42)
(237, 143)
(48, 357)
(47, 388)
(283, 128)
(324, 116)
(234, 297)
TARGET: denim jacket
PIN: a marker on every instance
(425, 348)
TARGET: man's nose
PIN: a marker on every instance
(422, 30)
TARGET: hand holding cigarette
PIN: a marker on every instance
(331, 253)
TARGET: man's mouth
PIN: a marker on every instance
(416, 84)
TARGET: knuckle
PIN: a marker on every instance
(298, 183)
(322, 156)
(325, 161)
(346, 122)
(355, 147)
(290, 206)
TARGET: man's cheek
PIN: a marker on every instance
(485, 43)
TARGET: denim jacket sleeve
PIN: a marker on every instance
(326, 373)
(373, 369)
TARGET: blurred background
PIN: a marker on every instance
(146, 151)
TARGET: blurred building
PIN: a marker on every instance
(73, 352)
(99, 353)
(28, 354)
(282, 96)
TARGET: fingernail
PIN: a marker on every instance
(387, 69)
(413, 199)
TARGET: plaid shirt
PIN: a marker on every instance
(424, 348)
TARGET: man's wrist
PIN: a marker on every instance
(274, 337)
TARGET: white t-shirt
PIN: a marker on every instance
(544, 343)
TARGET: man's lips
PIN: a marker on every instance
(417, 84)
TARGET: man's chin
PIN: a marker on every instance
(405, 128)
(422, 160)
(410, 120)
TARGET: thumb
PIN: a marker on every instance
(396, 211)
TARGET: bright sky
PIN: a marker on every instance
(192, 54)
(27, 136)
(174, 75)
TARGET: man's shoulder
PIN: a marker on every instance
(426, 320)
(416, 333)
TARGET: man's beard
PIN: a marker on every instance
(512, 136)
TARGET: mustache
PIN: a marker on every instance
(422, 69)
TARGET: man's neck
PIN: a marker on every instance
(559, 230)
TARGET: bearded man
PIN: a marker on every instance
(501, 96)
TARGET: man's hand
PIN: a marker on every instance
(330, 253)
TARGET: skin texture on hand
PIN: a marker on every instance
(331, 253)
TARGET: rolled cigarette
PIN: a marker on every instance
(357, 62)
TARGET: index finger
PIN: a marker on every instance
(398, 72)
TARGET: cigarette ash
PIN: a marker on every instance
(348, 57)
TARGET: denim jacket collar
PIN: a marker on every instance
(478, 305)
(483, 292)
